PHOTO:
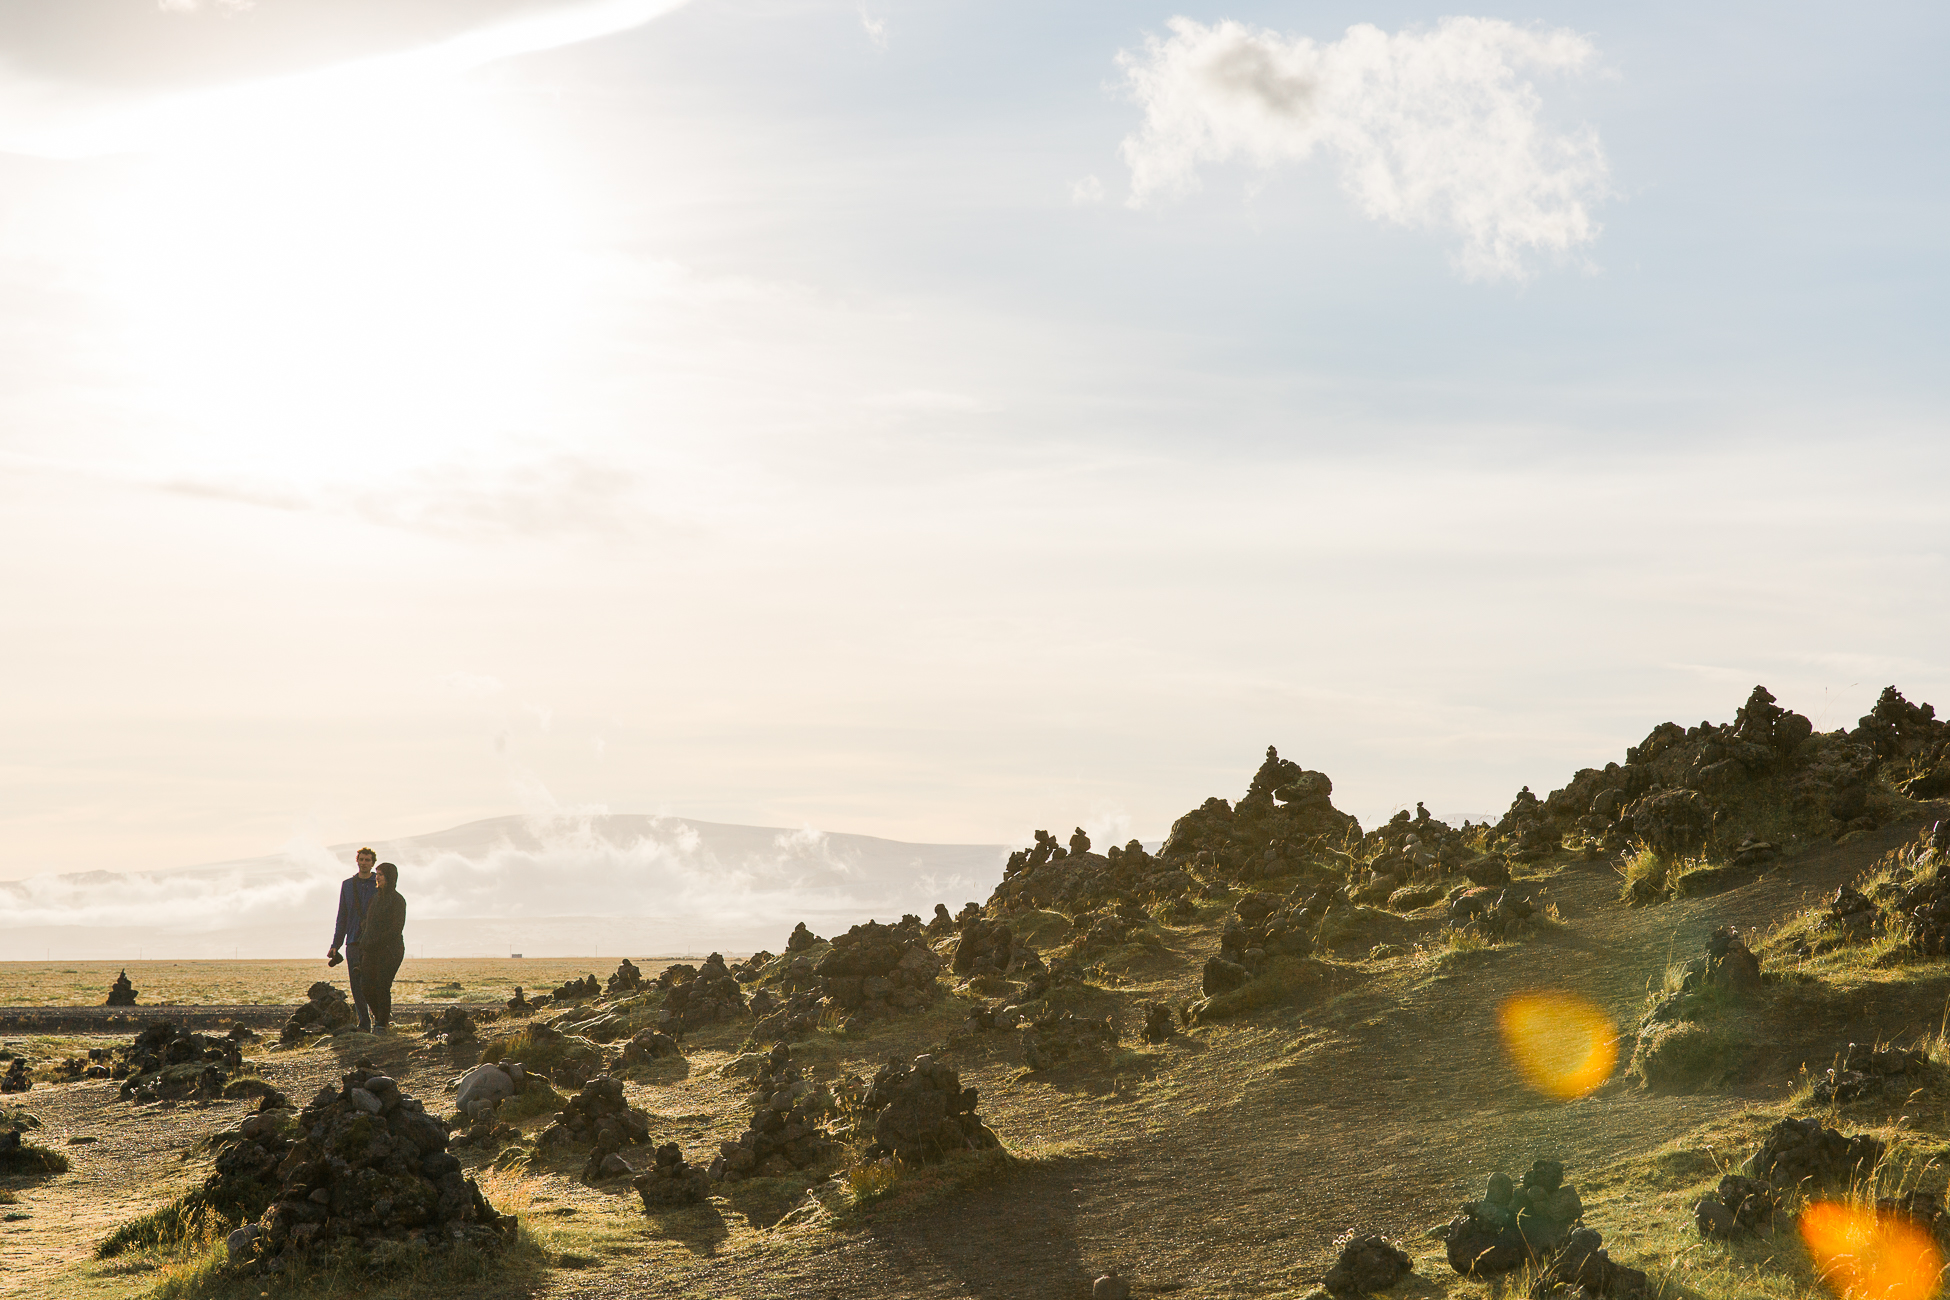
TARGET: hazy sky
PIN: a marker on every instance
(942, 420)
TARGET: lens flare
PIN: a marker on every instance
(1562, 1043)
(1864, 1255)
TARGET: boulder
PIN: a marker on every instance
(1801, 1152)
(484, 1083)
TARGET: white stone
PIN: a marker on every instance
(486, 1083)
(365, 1101)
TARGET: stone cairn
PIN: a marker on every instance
(791, 1018)
(154, 1064)
(1160, 1022)
(1365, 1264)
(370, 1178)
(921, 1113)
(121, 993)
(1515, 1223)
(1076, 880)
(520, 1005)
(990, 948)
(875, 970)
(1059, 1038)
(1729, 966)
(1867, 1072)
(577, 991)
(627, 979)
(801, 939)
(324, 1011)
(700, 996)
(1583, 1270)
(1801, 1152)
(787, 1130)
(671, 1182)
(650, 1045)
(450, 1025)
(1739, 1207)
(16, 1078)
(600, 1118)
(1925, 907)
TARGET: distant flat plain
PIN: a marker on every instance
(283, 982)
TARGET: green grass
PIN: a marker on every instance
(1281, 981)
(536, 1099)
(539, 1053)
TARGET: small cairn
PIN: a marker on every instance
(165, 1060)
(1804, 1151)
(921, 1112)
(793, 1018)
(1582, 1270)
(649, 1045)
(1159, 1022)
(370, 1181)
(627, 979)
(121, 993)
(450, 1025)
(709, 995)
(519, 1005)
(801, 939)
(1868, 1072)
(875, 970)
(787, 1130)
(1739, 1207)
(1514, 1223)
(672, 1182)
(324, 1011)
(577, 991)
(1366, 1263)
(1728, 965)
(1061, 1037)
(16, 1078)
(599, 1117)
(990, 948)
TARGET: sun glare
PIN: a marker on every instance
(314, 280)
(1864, 1255)
(1564, 1046)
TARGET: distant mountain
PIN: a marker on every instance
(544, 886)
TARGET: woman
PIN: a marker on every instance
(384, 947)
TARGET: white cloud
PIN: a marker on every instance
(876, 28)
(1087, 190)
(203, 6)
(1436, 128)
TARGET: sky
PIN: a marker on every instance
(940, 421)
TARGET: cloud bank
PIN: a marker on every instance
(687, 885)
(1435, 129)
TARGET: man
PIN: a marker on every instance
(355, 896)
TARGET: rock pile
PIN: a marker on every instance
(921, 1113)
(1060, 1037)
(751, 969)
(706, 996)
(875, 970)
(20, 1156)
(627, 979)
(577, 990)
(1073, 879)
(324, 1011)
(1729, 966)
(1739, 1207)
(649, 1045)
(792, 1018)
(449, 1025)
(801, 939)
(518, 1005)
(1287, 812)
(1514, 1223)
(1159, 1022)
(787, 1129)
(121, 993)
(990, 948)
(1366, 1264)
(1582, 1270)
(671, 1182)
(1868, 1072)
(1804, 1151)
(601, 1118)
(165, 1060)
(368, 1181)
(1739, 787)
(16, 1079)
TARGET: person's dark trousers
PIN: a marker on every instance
(355, 966)
(380, 966)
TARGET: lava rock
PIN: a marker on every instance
(1804, 1151)
(921, 1112)
(121, 993)
(1368, 1263)
(1739, 1207)
(671, 1182)
(324, 1011)
(1514, 1223)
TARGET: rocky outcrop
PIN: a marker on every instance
(1074, 879)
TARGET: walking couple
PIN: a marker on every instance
(372, 922)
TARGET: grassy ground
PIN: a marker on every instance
(269, 983)
(1220, 1163)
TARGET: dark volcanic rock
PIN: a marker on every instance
(627, 979)
(1056, 1038)
(876, 969)
(671, 1182)
(703, 997)
(1740, 1207)
(121, 993)
(921, 1112)
(1366, 1264)
(787, 1130)
(1513, 1223)
(324, 1011)
(1583, 1268)
(598, 1117)
(1799, 1151)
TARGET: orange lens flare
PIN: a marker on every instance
(1563, 1044)
(1863, 1255)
